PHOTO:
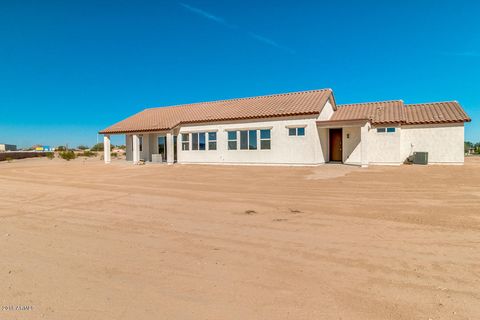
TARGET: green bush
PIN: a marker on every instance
(87, 153)
(8, 159)
(50, 155)
(114, 154)
(67, 155)
(82, 147)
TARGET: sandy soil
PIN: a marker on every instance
(82, 240)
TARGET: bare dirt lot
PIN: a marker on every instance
(84, 240)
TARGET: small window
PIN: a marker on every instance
(300, 131)
(140, 143)
(212, 141)
(388, 130)
(243, 140)
(201, 141)
(232, 140)
(252, 140)
(195, 141)
(185, 141)
(265, 143)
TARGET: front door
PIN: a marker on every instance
(335, 144)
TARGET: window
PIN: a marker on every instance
(232, 140)
(195, 141)
(185, 141)
(265, 139)
(212, 141)
(383, 130)
(140, 143)
(300, 131)
(243, 140)
(252, 140)
(201, 141)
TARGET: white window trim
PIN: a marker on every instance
(207, 138)
(296, 127)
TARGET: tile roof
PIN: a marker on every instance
(277, 105)
(435, 112)
(385, 112)
(376, 112)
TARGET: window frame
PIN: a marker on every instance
(212, 141)
(386, 130)
(229, 140)
(185, 142)
(269, 139)
(296, 131)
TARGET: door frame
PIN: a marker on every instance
(329, 143)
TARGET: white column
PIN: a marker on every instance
(364, 141)
(170, 155)
(136, 149)
(106, 148)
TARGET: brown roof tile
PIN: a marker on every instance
(376, 112)
(396, 111)
(165, 118)
(435, 112)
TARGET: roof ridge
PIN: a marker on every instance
(372, 102)
(433, 102)
(244, 98)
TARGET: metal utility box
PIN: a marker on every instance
(420, 157)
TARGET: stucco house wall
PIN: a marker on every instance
(352, 145)
(444, 142)
(384, 147)
(285, 149)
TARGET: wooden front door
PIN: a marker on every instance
(335, 144)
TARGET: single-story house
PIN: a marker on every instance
(299, 128)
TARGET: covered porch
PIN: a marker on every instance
(345, 141)
(156, 147)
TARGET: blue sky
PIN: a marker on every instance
(71, 68)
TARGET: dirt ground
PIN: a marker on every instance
(84, 240)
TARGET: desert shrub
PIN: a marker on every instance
(50, 155)
(61, 148)
(8, 159)
(114, 154)
(87, 153)
(82, 147)
(67, 155)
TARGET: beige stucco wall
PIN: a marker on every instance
(352, 145)
(384, 147)
(285, 149)
(444, 143)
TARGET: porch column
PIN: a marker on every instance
(136, 149)
(170, 155)
(364, 140)
(106, 148)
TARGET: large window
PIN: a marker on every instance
(198, 141)
(265, 139)
(249, 139)
(212, 141)
(185, 141)
(300, 131)
(232, 140)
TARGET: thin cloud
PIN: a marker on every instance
(269, 42)
(206, 15)
(222, 21)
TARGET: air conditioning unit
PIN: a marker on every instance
(420, 157)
